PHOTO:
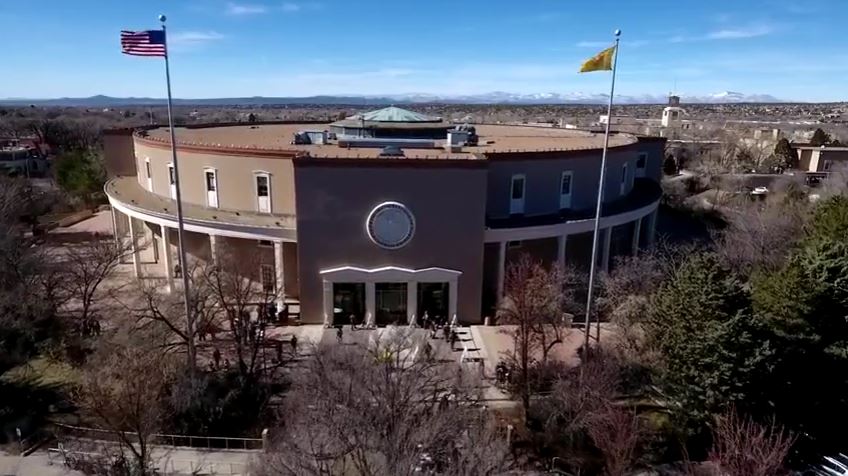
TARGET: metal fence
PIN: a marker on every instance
(184, 441)
(167, 466)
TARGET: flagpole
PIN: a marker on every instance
(601, 180)
(180, 225)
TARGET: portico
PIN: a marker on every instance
(388, 295)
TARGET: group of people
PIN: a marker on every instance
(440, 324)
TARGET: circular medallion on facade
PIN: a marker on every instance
(390, 225)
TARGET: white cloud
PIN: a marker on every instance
(240, 9)
(593, 44)
(194, 38)
(291, 7)
(750, 31)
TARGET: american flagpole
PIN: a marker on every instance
(593, 265)
(180, 227)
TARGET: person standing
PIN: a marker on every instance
(339, 334)
(216, 356)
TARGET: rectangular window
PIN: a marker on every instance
(641, 164)
(518, 187)
(147, 169)
(262, 185)
(211, 186)
(516, 194)
(172, 180)
(211, 177)
(623, 187)
(565, 190)
(266, 243)
(263, 192)
(268, 277)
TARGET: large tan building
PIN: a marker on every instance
(385, 215)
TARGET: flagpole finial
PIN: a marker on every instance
(162, 18)
(617, 33)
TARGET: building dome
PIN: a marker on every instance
(394, 114)
(392, 123)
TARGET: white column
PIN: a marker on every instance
(281, 277)
(453, 297)
(166, 256)
(370, 302)
(605, 252)
(637, 230)
(561, 242)
(501, 269)
(411, 301)
(328, 303)
(115, 226)
(134, 246)
(652, 227)
(213, 248)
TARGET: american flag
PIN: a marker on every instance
(143, 43)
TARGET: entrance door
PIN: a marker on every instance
(211, 189)
(348, 303)
(263, 193)
(390, 303)
(433, 299)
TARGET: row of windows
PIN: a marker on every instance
(262, 186)
(519, 185)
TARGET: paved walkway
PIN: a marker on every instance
(170, 461)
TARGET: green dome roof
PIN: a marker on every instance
(394, 114)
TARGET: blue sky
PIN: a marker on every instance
(792, 49)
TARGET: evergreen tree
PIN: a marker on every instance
(820, 137)
(700, 321)
(786, 156)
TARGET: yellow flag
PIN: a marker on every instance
(600, 62)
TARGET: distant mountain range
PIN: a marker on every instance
(497, 97)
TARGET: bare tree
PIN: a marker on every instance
(743, 447)
(387, 408)
(759, 236)
(85, 267)
(164, 315)
(237, 293)
(533, 307)
(122, 391)
(617, 432)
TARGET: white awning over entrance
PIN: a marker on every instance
(388, 274)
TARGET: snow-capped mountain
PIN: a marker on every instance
(501, 97)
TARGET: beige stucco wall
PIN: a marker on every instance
(334, 200)
(236, 182)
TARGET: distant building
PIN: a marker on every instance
(672, 116)
(820, 158)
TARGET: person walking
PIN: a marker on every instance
(339, 334)
(293, 342)
(216, 356)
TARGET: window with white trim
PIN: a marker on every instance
(211, 180)
(172, 181)
(148, 174)
(565, 184)
(263, 191)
